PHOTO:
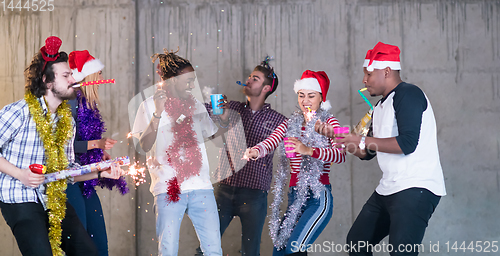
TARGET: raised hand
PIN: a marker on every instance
(324, 128)
(251, 153)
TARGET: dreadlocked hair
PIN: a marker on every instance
(269, 75)
(171, 64)
(34, 73)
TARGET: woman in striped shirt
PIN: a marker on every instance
(309, 156)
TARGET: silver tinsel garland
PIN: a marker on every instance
(311, 168)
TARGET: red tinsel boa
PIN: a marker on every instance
(184, 153)
(174, 190)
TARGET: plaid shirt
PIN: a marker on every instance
(21, 146)
(245, 130)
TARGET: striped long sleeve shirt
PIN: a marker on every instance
(329, 155)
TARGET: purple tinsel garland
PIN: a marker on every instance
(91, 127)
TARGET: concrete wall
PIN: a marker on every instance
(451, 49)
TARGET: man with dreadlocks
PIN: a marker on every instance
(173, 126)
(244, 192)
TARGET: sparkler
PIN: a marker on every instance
(310, 114)
(137, 174)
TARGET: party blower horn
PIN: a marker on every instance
(105, 81)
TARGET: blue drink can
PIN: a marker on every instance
(215, 102)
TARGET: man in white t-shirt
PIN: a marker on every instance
(173, 126)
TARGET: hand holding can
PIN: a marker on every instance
(215, 104)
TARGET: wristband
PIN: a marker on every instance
(156, 116)
(99, 175)
(362, 145)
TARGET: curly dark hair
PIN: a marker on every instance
(269, 75)
(34, 73)
(170, 63)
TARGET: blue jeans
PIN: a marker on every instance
(89, 211)
(201, 208)
(316, 213)
(403, 216)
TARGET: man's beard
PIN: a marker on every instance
(62, 96)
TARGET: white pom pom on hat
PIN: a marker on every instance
(83, 64)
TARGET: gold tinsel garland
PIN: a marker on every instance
(56, 161)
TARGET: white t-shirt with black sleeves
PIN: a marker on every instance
(406, 113)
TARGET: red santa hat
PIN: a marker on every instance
(316, 81)
(83, 64)
(382, 56)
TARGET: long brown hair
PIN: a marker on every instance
(91, 91)
(34, 73)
